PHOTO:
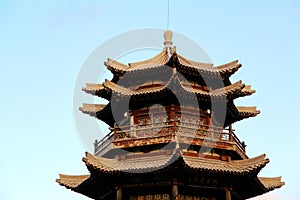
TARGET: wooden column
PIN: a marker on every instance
(95, 146)
(171, 117)
(174, 189)
(119, 193)
(227, 194)
(132, 126)
(230, 133)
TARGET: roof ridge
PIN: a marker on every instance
(271, 183)
(91, 88)
(71, 181)
(162, 58)
(257, 159)
(190, 63)
(111, 61)
(92, 109)
(222, 66)
(235, 85)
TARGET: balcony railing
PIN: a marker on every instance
(159, 129)
(104, 142)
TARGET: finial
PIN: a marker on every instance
(168, 38)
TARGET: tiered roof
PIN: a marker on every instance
(164, 62)
(153, 163)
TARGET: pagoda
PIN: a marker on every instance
(171, 134)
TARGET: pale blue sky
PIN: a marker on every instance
(44, 43)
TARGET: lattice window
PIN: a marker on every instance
(140, 121)
(165, 197)
(149, 197)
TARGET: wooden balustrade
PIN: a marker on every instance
(104, 142)
(241, 145)
(185, 129)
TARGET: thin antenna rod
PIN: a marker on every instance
(168, 22)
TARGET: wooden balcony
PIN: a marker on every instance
(165, 132)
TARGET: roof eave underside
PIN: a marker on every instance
(103, 112)
(108, 88)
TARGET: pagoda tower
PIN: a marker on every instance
(171, 134)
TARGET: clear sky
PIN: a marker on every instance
(43, 45)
